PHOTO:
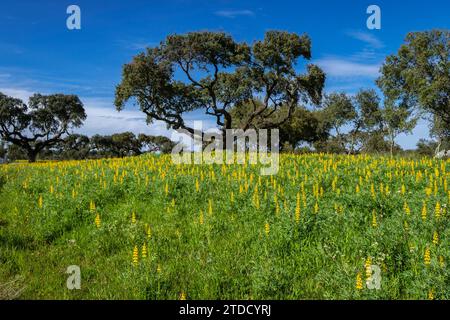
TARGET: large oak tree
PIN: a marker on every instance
(210, 71)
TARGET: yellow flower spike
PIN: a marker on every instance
(435, 238)
(135, 259)
(359, 282)
(182, 295)
(210, 207)
(427, 257)
(231, 197)
(424, 211)
(406, 208)
(357, 189)
(267, 228)
(40, 202)
(200, 219)
(92, 206)
(437, 210)
(197, 185)
(431, 294)
(374, 219)
(144, 251)
(441, 262)
(133, 217)
(149, 232)
(403, 190)
(97, 220)
(297, 208)
(316, 208)
(158, 269)
(166, 188)
(368, 267)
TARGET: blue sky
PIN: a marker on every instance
(39, 54)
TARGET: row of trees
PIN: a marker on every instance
(76, 146)
(246, 86)
(257, 86)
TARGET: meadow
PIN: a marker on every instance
(144, 228)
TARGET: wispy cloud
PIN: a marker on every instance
(367, 38)
(234, 13)
(341, 67)
(136, 44)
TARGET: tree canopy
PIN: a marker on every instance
(218, 74)
(42, 123)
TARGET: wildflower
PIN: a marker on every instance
(149, 232)
(297, 208)
(197, 185)
(92, 206)
(359, 282)
(97, 220)
(267, 228)
(441, 261)
(424, 211)
(368, 268)
(406, 208)
(210, 208)
(135, 256)
(144, 251)
(403, 190)
(437, 210)
(316, 208)
(374, 219)
(158, 269)
(431, 294)
(182, 296)
(133, 217)
(201, 217)
(40, 202)
(435, 238)
(427, 257)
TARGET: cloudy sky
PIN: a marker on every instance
(39, 54)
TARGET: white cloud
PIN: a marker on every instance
(366, 37)
(21, 94)
(341, 67)
(234, 13)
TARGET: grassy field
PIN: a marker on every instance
(143, 228)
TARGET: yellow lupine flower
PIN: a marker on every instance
(406, 208)
(144, 251)
(435, 238)
(92, 206)
(297, 208)
(368, 267)
(359, 282)
(437, 210)
(431, 294)
(267, 228)
(40, 201)
(200, 219)
(135, 259)
(316, 208)
(424, 211)
(374, 219)
(97, 220)
(427, 256)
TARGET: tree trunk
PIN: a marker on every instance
(32, 155)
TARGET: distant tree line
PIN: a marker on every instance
(243, 86)
(78, 147)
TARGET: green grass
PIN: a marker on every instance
(229, 256)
